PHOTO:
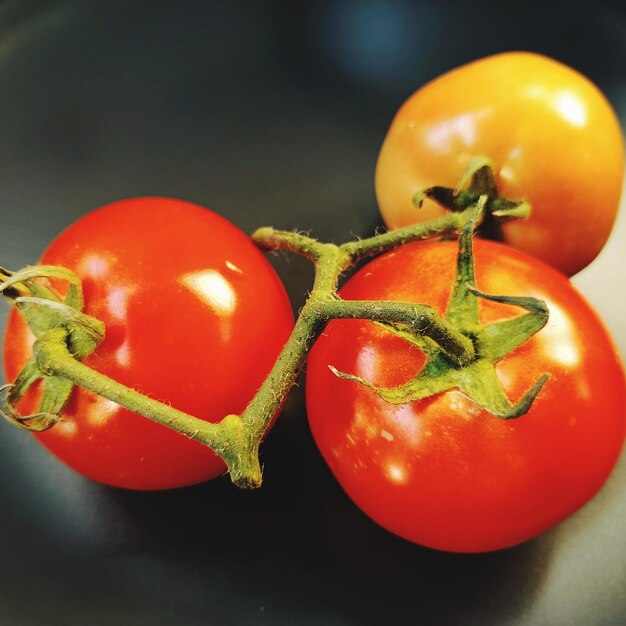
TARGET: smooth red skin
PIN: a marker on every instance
(161, 337)
(441, 472)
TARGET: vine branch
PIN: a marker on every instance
(236, 438)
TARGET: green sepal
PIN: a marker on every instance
(38, 422)
(424, 343)
(84, 332)
(451, 199)
(478, 379)
(24, 282)
(477, 180)
(46, 314)
(422, 386)
(463, 306)
(505, 209)
(483, 386)
(499, 338)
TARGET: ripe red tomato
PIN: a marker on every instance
(551, 135)
(442, 472)
(195, 316)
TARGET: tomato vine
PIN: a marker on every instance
(65, 335)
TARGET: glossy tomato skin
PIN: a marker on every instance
(195, 316)
(441, 472)
(552, 137)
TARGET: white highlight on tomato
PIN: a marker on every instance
(567, 104)
(570, 107)
(213, 289)
(444, 136)
(396, 473)
(66, 427)
(105, 409)
(367, 363)
(117, 302)
(122, 354)
(231, 266)
(558, 339)
(402, 418)
(385, 434)
(94, 266)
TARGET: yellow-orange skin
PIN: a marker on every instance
(550, 134)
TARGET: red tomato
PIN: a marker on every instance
(442, 472)
(195, 316)
(551, 135)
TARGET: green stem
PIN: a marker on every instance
(237, 438)
(226, 438)
(54, 359)
(259, 413)
(270, 239)
(14, 291)
(449, 223)
(421, 319)
(348, 253)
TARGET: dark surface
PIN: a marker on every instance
(269, 113)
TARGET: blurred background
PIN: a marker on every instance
(270, 113)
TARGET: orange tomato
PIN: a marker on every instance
(550, 134)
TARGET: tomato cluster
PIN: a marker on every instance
(195, 317)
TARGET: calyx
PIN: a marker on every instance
(47, 314)
(477, 181)
(477, 379)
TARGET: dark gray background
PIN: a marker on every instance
(269, 113)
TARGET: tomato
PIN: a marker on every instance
(551, 136)
(441, 471)
(195, 317)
